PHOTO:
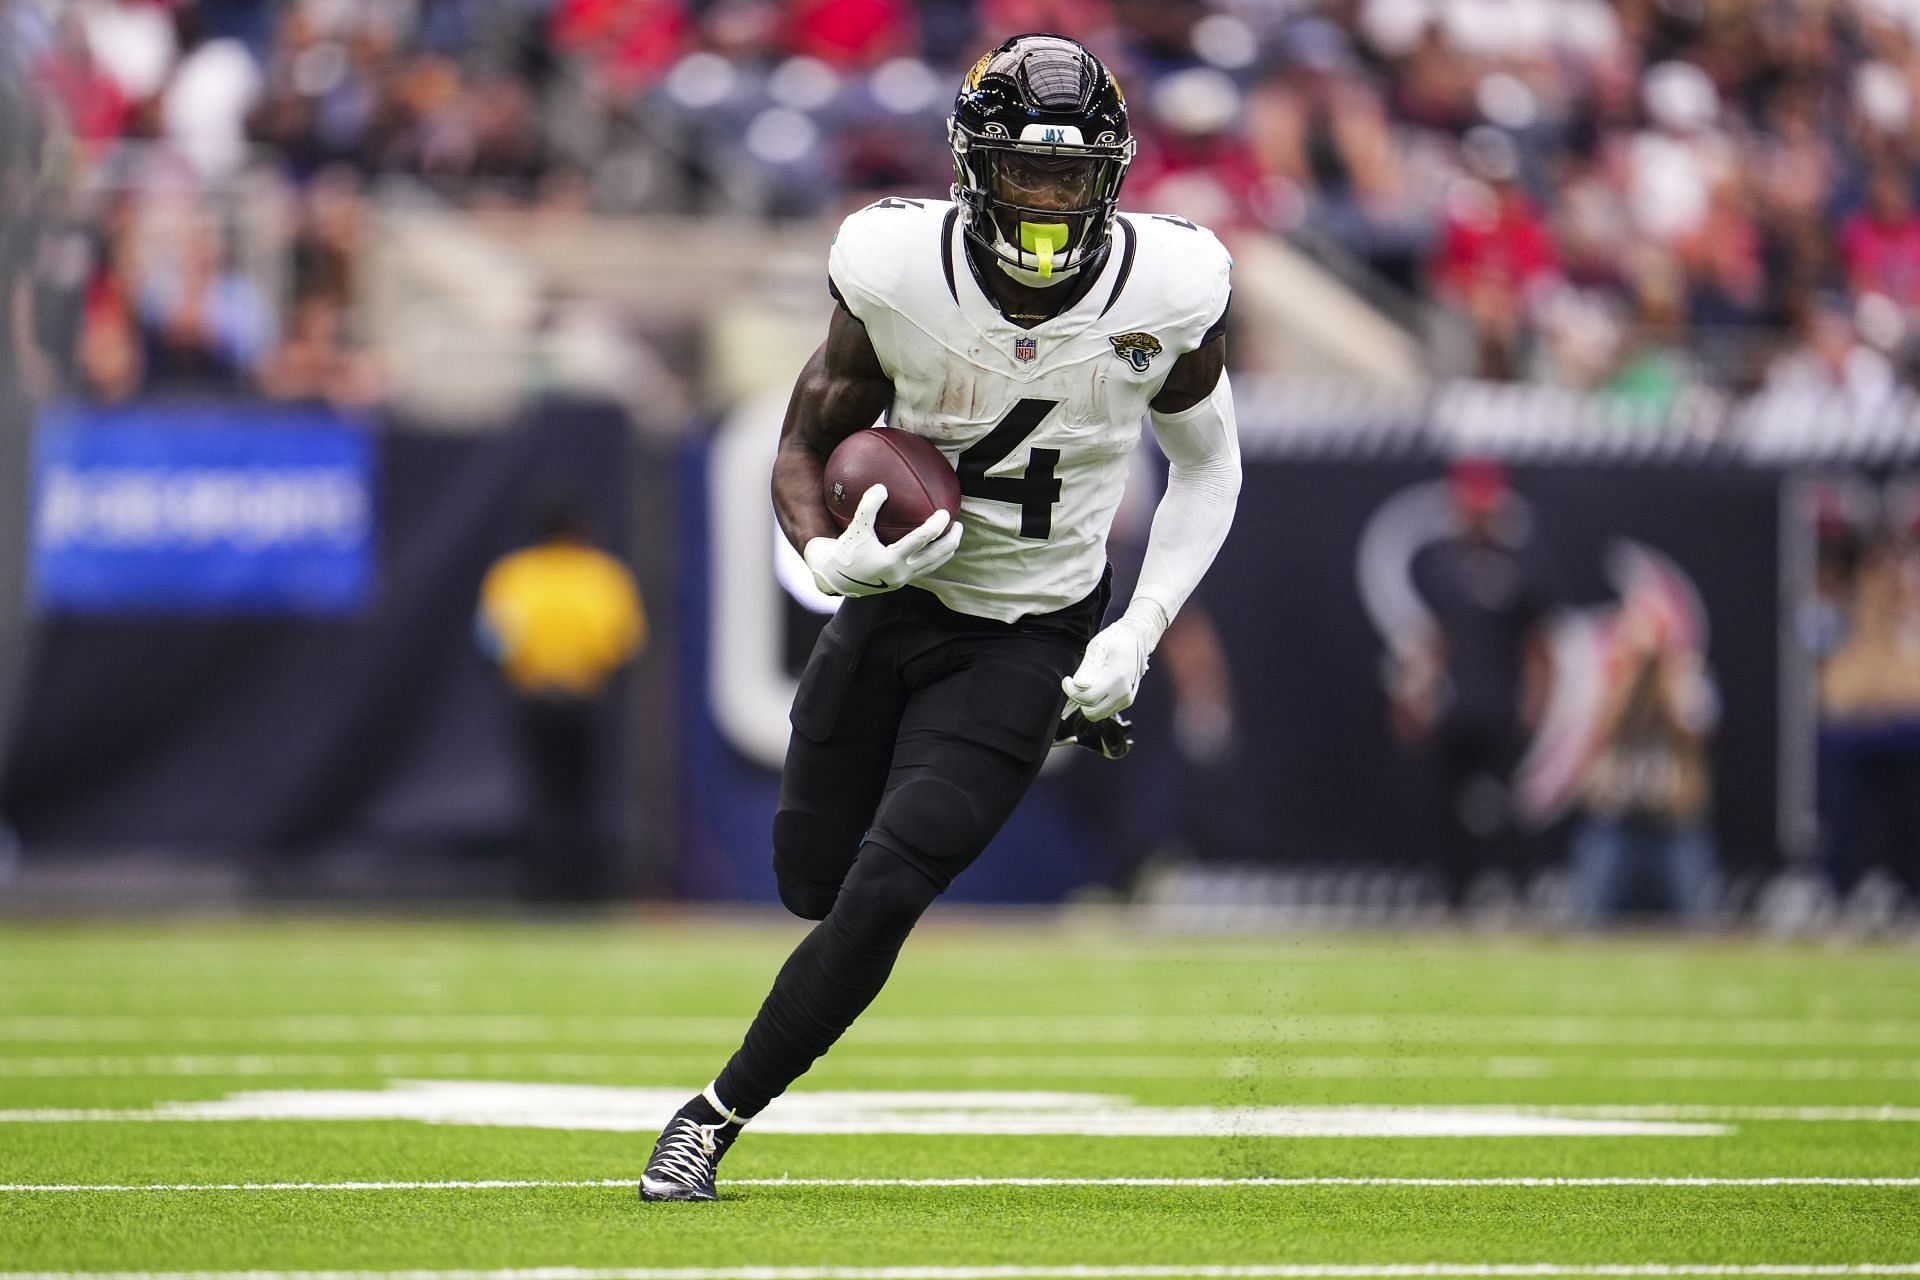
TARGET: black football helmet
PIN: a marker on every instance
(1040, 147)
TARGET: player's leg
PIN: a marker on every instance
(971, 741)
(975, 727)
(846, 713)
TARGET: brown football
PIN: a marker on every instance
(919, 480)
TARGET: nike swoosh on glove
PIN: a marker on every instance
(1109, 673)
(857, 563)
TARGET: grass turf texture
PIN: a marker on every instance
(118, 1016)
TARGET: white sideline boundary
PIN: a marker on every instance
(501, 1184)
(1291, 1271)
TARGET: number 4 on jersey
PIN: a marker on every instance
(1036, 490)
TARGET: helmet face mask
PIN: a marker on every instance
(1040, 147)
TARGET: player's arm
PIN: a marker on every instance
(1193, 421)
(844, 389)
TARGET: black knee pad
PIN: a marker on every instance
(935, 818)
(805, 899)
(807, 852)
(884, 897)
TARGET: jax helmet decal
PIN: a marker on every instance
(1040, 146)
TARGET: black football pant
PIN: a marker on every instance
(916, 731)
(564, 860)
(1473, 819)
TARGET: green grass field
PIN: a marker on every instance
(291, 1096)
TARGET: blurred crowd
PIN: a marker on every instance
(1633, 196)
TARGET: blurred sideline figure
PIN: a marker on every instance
(1870, 727)
(560, 617)
(1474, 689)
(1645, 794)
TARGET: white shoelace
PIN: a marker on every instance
(688, 1153)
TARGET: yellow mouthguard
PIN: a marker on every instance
(1044, 239)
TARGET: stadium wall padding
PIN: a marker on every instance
(1317, 777)
(273, 738)
(278, 739)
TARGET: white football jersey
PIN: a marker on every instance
(1038, 422)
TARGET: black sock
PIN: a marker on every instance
(830, 978)
(702, 1111)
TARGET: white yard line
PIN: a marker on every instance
(1678, 1113)
(1286, 1271)
(510, 1184)
(1193, 1066)
(509, 1028)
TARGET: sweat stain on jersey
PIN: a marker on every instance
(1044, 239)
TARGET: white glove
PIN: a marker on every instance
(1110, 672)
(857, 563)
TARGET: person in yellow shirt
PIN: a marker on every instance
(560, 617)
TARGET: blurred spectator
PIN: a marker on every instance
(626, 43)
(112, 366)
(849, 32)
(1644, 795)
(1541, 168)
(1677, 162)
(204, 108)
(1471, 692)
(1321, 128)
(205, 323)
(1656, 366)
(1195, 163)
(560, 617)
(318, 362)
(1880, 245)
(1496, 255)
(70, 76)
(1832, 366)
(1870, 725)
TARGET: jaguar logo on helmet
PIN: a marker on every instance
(1137, 349)
(1034, 192)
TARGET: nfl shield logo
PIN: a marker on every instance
(1024, 349)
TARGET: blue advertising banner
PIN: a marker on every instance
(202, 509)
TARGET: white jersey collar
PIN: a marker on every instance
(1000, 333)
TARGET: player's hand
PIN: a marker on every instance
(1109, 674)
(857, 563)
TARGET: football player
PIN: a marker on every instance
(1027, 328)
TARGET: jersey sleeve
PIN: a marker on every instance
(865, 266)
(1194, 275)
(1212, 279)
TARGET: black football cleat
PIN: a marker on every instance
(689, 1150)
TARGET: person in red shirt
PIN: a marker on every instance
(1493, 237)
(1880, 244)
(68, 74)
(1495, 250)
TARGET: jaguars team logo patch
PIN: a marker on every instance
(1025, 349)
(1137, 349)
